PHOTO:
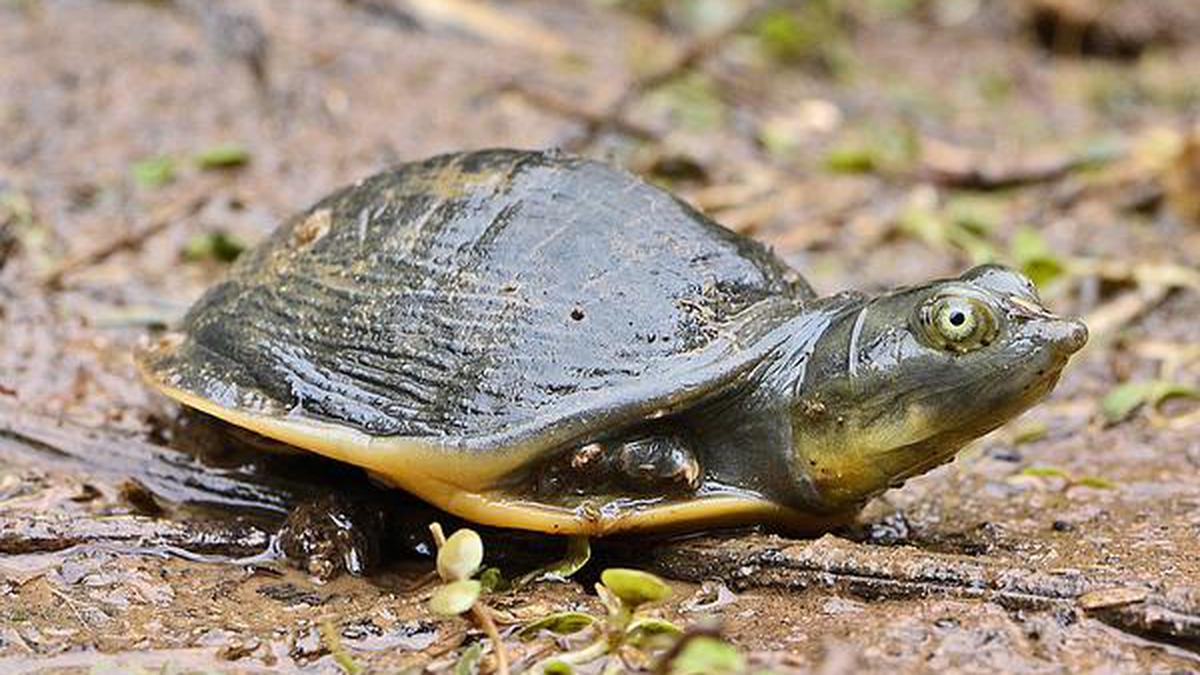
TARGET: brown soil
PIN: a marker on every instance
(955, 119)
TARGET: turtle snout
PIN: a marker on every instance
(1078, 336)
(1068, 335)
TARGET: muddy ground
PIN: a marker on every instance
(871, 142)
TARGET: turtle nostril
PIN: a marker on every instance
(1076, 335)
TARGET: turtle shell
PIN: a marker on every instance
(445, 322)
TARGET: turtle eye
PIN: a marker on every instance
(958, 324)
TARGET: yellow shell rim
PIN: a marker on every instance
(420, 468)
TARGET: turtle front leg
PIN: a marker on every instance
(643, 464)
(654, 463)
(657, 464)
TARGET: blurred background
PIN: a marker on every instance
(872, 143)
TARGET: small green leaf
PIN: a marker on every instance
(579, 552)
(224, 156)
(693, 101)
(978, 215)
(557, 668)
(921, 221)
(460, 557)
(809, 31)
(1028, 432)
(468, 663)
(493, 580)
(782, 34)
(154, 171)
(1098, 482)
(561, 623)
(851, 159)
(1046, 472)
(704, 655)
(645, 631)
(1121, 402)
(455, 598)
(778, 138)
(218, 245)
(635, 587)
(1034, 257)
(16, 207)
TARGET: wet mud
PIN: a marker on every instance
(134, 538)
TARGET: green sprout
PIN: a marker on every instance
(625, 593)
(459, 558)
(706, 655)
(224, 156)
(1120, 403)
(1069, 480)
(153, 172)
(579, 552)
(217, 245)
(628, 629)
(1034, 257)
(962, 224)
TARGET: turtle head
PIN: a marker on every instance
(898, 383)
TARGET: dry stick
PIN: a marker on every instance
(565, 109)
(397, 16)
(1171, 616)
(955, 167)
(686, 58)
(171, 475)
(159, 220)
(1107, 319)
(480, 612)
(23, 532)
(1154, 282)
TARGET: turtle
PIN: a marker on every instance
(540, 341)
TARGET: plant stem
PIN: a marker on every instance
(484, 617)
(480, 611)
(614, 666)
(439, 537)
(586, 655)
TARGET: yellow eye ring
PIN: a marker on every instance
(955, 319)
(958, 323)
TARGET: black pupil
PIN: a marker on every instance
(957, 318)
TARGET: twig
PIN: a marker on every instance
(388, 11)
(1104, 321)
(588, 117)
(484, 617)
(686, 58)
(1153, 282)
(497, 25)
(889, 573)
(171, 475)
(158, 221)
(955, 167)
(474, 17)
(24, 532)
(73, 607)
